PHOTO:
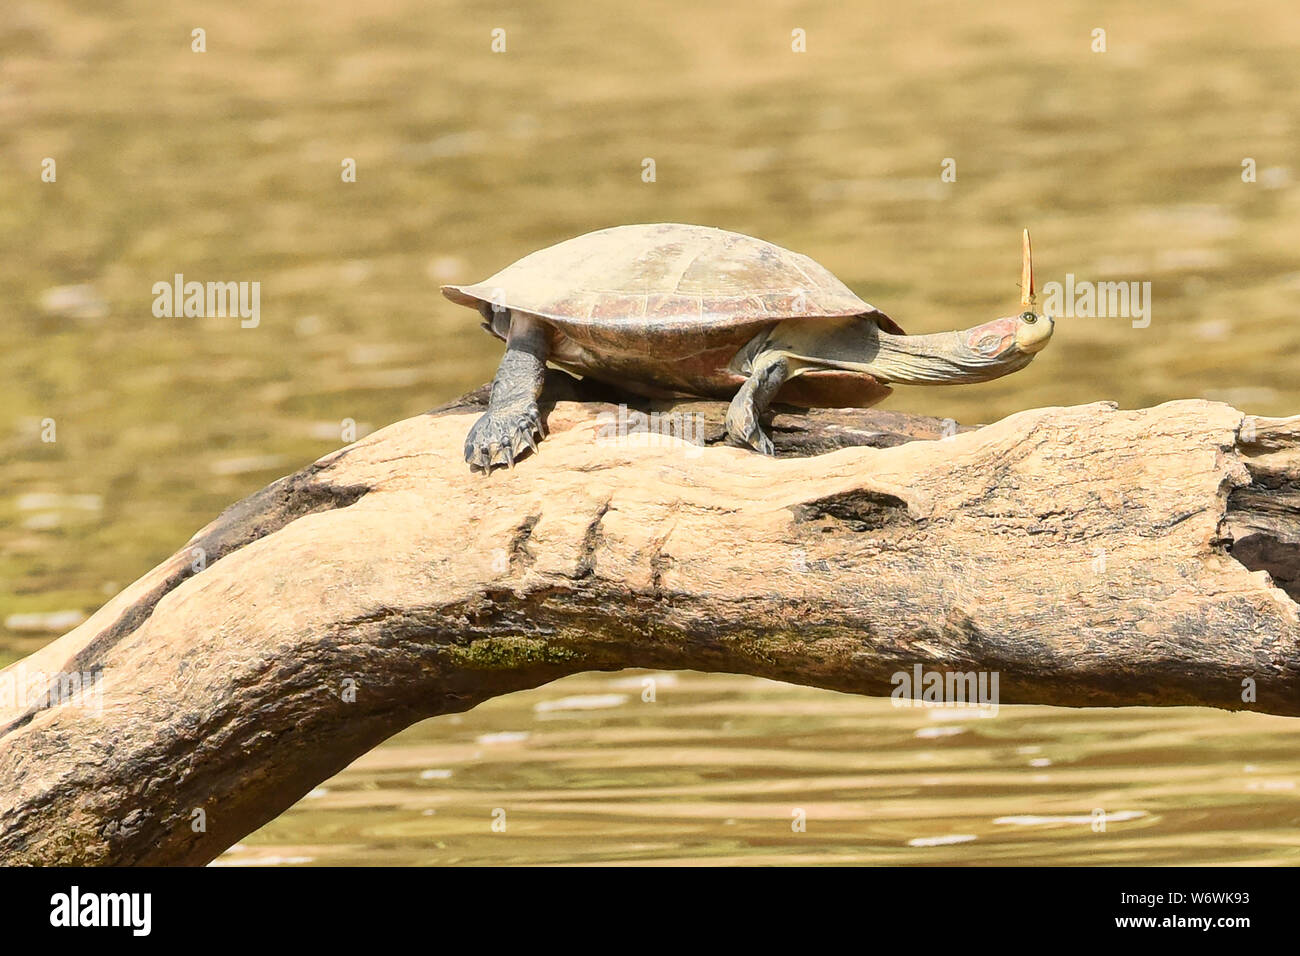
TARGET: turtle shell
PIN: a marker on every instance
(664, 304)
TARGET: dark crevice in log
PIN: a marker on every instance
(858, 510)
(591, 542)
(1264, 552)
(1263, 518)
(520, 556)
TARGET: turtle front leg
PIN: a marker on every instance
(512, 421)
(768, 374)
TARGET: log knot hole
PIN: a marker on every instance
(856, 510)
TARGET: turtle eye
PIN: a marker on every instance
(1029, 318)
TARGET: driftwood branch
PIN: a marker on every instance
(1089, 556)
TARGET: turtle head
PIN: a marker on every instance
(978, 354)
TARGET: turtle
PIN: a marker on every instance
(672, 310)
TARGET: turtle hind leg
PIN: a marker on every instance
(512, 423)
(769, 372)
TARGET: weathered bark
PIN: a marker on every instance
(1090, 556)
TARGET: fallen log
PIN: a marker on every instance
(1089, 556)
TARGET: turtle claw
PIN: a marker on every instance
(748, 433)
(499, 437)
(757, 440)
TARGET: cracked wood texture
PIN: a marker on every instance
(1090, 556)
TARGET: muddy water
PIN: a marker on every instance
(720, 769)
(225, 166)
